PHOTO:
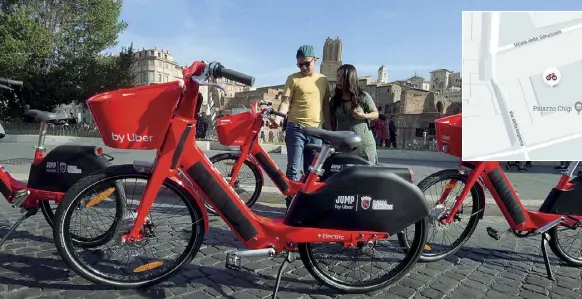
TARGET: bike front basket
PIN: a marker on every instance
(135, 118)
(449, 135)
(232, 130)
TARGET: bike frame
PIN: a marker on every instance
(533, 220)
(9, 185)
(181, 159)
(252, 150)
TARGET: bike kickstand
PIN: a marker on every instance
(544, 246)
(288, 260)
(16, 225)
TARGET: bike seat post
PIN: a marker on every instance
(41, 136)
(571, 168)
(317, 167)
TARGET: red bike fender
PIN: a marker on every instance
(197, 196)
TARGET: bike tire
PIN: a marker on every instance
(559, 251)
(424, 185)
(412, 256)
(254, 169)
(49, 216)
(47, 212)
(117, 172)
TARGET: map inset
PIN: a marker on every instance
(522, 86)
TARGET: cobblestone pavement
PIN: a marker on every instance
(30, 267)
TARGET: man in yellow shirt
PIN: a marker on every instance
(305, 98)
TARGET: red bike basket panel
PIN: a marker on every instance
(234, 129)
(449, 135)
(135, 118)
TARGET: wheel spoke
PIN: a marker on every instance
(170, 237)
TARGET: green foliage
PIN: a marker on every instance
(55, 47)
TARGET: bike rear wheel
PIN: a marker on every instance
(155, 265)
(249, 177)
(570, 254)
(48, 211)
(410, 257)
(449, 245)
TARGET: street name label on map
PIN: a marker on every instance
(558, 108)
(537, 38)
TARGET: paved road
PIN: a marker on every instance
(509, 268)
(532, 185)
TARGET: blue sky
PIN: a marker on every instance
(260, 37)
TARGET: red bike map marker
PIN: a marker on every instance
(551, 77)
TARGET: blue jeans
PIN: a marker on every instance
(297, 153)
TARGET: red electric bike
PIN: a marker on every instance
(243, 130)
(51, 174)
(358, 208)
(561, 211)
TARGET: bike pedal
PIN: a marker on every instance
(493, 233)
(574, 225)
(233, 262)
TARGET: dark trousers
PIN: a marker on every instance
(299, 157)
(392, 142)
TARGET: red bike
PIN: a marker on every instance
(243, 130)
(357, 209)
(51, 174)
(559, 211)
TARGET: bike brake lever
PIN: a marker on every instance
(222, 89)
(202, 79)
(266, 112)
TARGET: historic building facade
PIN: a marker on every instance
(415, 102)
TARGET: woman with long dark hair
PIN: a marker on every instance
(353, 109)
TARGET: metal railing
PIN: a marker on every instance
(72, 130)
(85, 130)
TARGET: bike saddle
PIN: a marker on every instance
(45, 116)
(335, 138)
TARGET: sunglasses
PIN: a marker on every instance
(305, 64)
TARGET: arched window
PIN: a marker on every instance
(439, 107)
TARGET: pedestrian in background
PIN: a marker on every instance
(392, 132)
(304, 100)
(381, 130)
(353, 109)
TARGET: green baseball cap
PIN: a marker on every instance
(306, 51)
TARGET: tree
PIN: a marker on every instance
(52, 45)
(110, 72)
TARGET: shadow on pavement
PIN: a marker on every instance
(21, 234)
(52, 274)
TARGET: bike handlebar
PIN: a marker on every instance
(275, 112)
(220, 71)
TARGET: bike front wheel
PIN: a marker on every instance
(144, 262)
(366, 277)
(247, 184)
(446, 239)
